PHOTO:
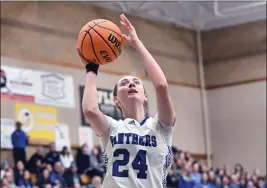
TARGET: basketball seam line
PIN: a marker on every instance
(105, 42)
(82, 44)
(87, 32)
(109, 30)
(92, 26)
(93, 46)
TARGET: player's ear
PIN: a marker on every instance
(146, 97)
(116, 101)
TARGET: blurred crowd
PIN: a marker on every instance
(56, 169)
(189, 173)
(87, 169)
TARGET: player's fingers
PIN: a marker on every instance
(122, 23)
(128, 23)
(125, 37)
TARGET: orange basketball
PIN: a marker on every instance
(100, 41)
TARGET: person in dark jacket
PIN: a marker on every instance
(19, 173)
(19, 141)
(36, 162)
(71, 176)
(44, 179)
(52, 156)
(83, 159)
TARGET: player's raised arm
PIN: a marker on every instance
(97, 119)
(165, 108)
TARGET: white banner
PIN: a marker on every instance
(86, 136)
(41, 87)
(54, 89)
(17, 83)
(62, 137)
(7, 128)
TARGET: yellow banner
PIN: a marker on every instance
(38, 121)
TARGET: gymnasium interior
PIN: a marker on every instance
(213, 54)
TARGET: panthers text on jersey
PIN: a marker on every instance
(138, 155)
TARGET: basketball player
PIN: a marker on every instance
(138, 148)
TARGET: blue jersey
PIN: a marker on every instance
(137, 155)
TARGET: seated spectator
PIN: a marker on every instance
(172, 177)
(212, 178)
(250, 184)
(19, 141)
(218, 182)
(36, 162)
(44, 179)
(256, 172)
(97, 166)
(72, 177)
(204, 181)
(262, 182)
(4, 167)
(66, 157)
(96, 182)
(83, 159)
(225, 181)
(243, 183)
(196, 175)
(26, 183)
(9, 176)
(4, 183)
(234, 181)
(19, 173)
(185, 180)
(239, 169)
(52, 156)
(49, 168)
(56, 176)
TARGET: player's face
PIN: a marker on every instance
(129, 89)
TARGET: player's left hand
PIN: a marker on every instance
(132, 37)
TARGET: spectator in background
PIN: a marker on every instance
(36, 162)
(239, 169)
(4, 183)
(19, 173)
(72, 177)
(49, 168)
(4, 167)
(212, 178)
(262, 182)
(83, 159)
(44, 179)
(19, 142)
(243, 183)
(97, 166)
(52, 156)
(96, 182)
(225, 182)
(185, 180)
(9, 176)
(66, 157)
(56, 176)
(172, 177)
(204, 181)
(196, 175)
(26, 183)
(234, 181)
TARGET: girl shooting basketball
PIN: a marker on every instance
(138, 148)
